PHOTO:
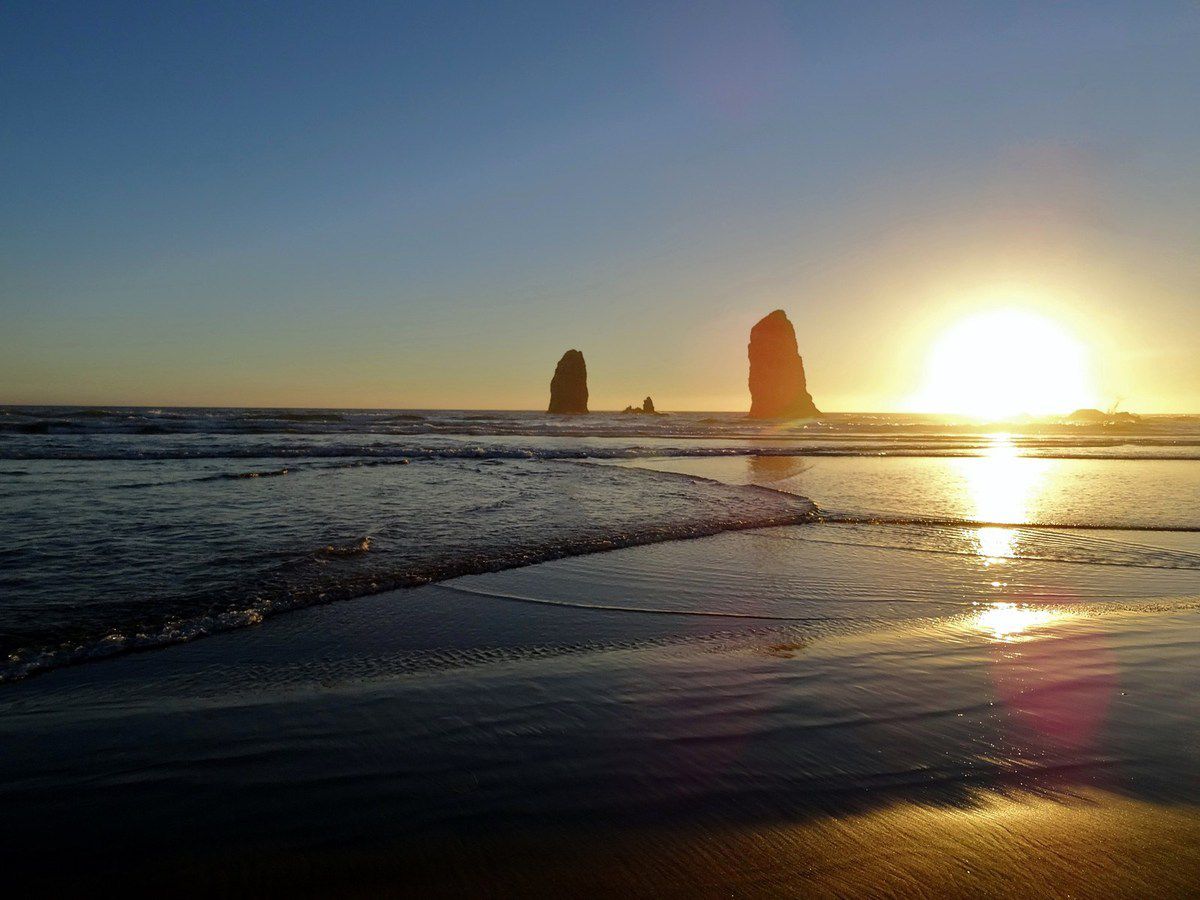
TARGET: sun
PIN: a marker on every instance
(1003, 363)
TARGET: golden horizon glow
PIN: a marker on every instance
(1006, 362)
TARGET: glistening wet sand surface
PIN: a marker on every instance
(1088, 845)
(879, 723)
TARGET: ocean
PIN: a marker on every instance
(502, 653)
(124, 529)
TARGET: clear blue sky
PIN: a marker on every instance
(424, 204)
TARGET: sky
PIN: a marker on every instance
(423, 205)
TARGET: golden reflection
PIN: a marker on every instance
(996, 544)
(1007, 622)
(1000, 485)
(767, 469)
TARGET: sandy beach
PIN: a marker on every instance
(781, 711)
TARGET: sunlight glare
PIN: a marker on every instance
(1001, 486)
(1004, 363)
(1008, 621)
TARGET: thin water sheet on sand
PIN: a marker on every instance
(764, 711)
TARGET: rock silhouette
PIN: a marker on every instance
(777, 386)
(568, 387)
(1096, 417)
(646, 409)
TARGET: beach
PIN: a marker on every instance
(445, 742)
(966, 672)
(539, 449)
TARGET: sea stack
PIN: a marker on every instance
(777, 386)
(646, 409)
(568, 387)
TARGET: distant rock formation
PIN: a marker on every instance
(568, 387)
(646, 409)
(777, 386)
(1096, 417)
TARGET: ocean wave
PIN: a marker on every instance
(248, 475)
(27, 662)
(272, 473)
(371, 564)
(385, 451)
(282, 415)
(332, 551)
(93, 413)
(1175, 431)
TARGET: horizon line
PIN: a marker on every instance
(859, 412)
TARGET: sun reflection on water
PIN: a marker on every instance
(1008, 622)
(1000, 489)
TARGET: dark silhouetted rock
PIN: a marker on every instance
(1097, 417)
(646, 409)
(568, 387)
(777, 386)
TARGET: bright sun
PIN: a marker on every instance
(1003, 363)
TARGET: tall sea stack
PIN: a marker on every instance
(568, 387)
(777, 386)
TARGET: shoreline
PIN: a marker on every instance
(815, 709)
(100, 649)
(415, 740)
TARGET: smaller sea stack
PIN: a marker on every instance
(646, 409)
(777, 386)
(568, 387)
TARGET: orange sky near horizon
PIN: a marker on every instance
(433, 215)
(876, 362)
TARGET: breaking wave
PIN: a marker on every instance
(114, 433)
(613, 508)
(383, 452)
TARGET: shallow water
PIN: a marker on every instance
(999, 486)
(100, 558)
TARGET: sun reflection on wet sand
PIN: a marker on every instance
(1009, 622)
(1000, 490)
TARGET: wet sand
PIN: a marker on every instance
(760, 712)
(1089, 845)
